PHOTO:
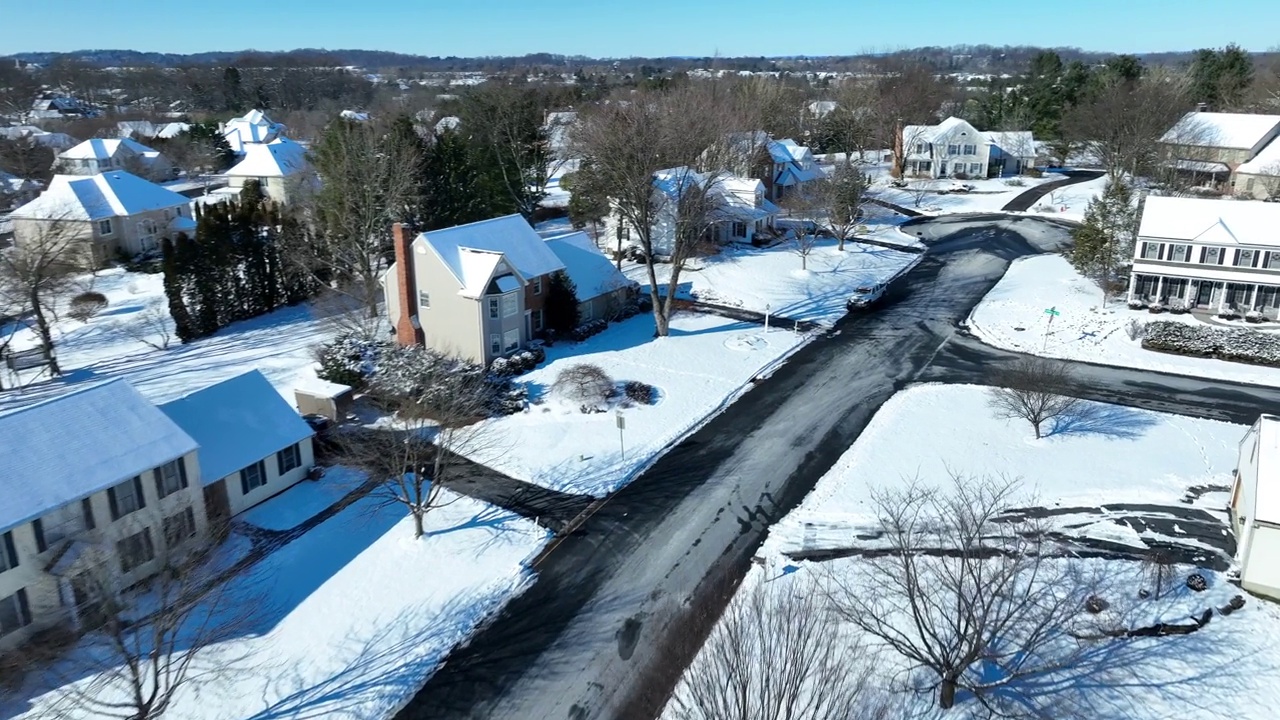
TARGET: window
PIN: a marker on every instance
(953, 149)
(537, 320)
(8, 554)
(264, 182)
(1212, 256)
(1271, 260)
(495, 344)
(424, 298)
(14, 612)
(1181, 253)
(179, 527)
(1151, 251)
(170, 478)
(136, 550)
(975, 168)
(493, 307)
(104, 227)
(537, 285)
(925, 165)
(1244, 258)
(970, 149)
(511, 340)
(740, 229)
(510, 305)
(58, 525)
(920, 149)
(126, 498)
(288, 459)
(254, 476)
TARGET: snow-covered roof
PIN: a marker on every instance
(1266, 162)
(946, 129)
(591, 272)
(1226, 222)
(279, 158)
(61, 450)
(252, 127)
(822, 108)
(237, 423)
(470, 251)
(1222, 130)
(448, 122)
(1266, 493)
(354, 115)
(1203, 166)
(104, 149)
(145, 128)
(96, 197)
(57, 141)
(1019, 142)
(172, 130)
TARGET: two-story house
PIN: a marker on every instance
(280, 167)
(1208, 147)
(107, 214)
(254, 127)
(478, 290)
(98, 485)
(1206, 253)
(1255, 508)
(954, 148)
(783, 166)
(106, 154)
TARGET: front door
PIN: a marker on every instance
(942, 168)
(88, 601)
(1205, 296)
(217, 507)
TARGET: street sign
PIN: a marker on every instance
(622, 421)
(1052, 312)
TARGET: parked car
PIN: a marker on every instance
(956, 187)
(865, 296)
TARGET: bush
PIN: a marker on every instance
(638, 392)
(587, 329)
(86, 305)
(960, 176)
(1254, 316)
(1197, 582)
(1155, 308)
(350, 359)
(519, 363)
(587, 386)
(1136, 304)
(1035, 172)
(1234, 344)
(1135, 329)
(1015, 182)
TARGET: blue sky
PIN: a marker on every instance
(614, 28)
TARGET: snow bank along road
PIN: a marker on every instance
(589, 638)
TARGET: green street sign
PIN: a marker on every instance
(1053, 311)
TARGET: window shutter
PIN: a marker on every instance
(37, 528)
(10, 550)
(280, 462)
(24, 608)
(159, 476)
(111, 502)
(1143, 252)
(87, 507)
(1203, 250)
(244, 482)
(1160, 255)
(1235, 258)
(137, 487)
(1257, 257)
(1222, 255)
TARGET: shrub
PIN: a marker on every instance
(1228, 314)
(1155, 308)
(960, 176)
(350, 359)
(1197, 582)
(86, 305)
(586, 330)
(1136, 304)
(560, 309)
(1035, 172)
(1135, 329)
(1234, 344)
(519, 363)
(587, 386)
(1254, 316)
(1015, 182)
(638, 392)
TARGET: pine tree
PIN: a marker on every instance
(560, 311)
(454, 189)
(1104, 241)
(173, 289)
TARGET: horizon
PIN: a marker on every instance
(659, 29)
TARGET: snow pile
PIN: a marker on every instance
(1012, 316)
(1234, 344)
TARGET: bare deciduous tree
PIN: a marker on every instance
(1034, 389)
(779, 653)
(1122, 124)
(152, 327)
(921, 189)
(842, 195)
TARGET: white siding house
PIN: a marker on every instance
(954, 147)
(103, 155)
(1211, 254)
(280, 167)
(1255, 508)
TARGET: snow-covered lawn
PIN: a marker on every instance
(356, 614)
(757, 279)
(706, 362)
(988, 195)
(1114, 455)
(304, 501)
(1013, 316)
(106, 347)
(1069, 203)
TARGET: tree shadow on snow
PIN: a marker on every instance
(1113, 421)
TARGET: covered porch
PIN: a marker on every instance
(1209, 295)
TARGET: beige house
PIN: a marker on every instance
(254, 127)
(1209, 147)
(1255, 508)
(106, 154)
(109, 214)
(280, 167)
(99, 487)
(478, 290)
(253, 444)
(1259, 178)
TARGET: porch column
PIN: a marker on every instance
(68, 597)
(1222, 296)
(1133, 285)
(1160, 290)
(1253, 295)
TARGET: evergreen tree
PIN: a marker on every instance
(1104, 241)
(173, 289)
(588, 201)
(454, 190)
(1220, 77)
(560, 311)
(232, 92)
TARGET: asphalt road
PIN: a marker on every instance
(595, 630)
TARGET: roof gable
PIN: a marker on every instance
(592, 273)
(96, 197)
(509, 236)
(1224, 222)
(279, 158)
(237, 423)
(105, 148)
(1222, 130)
(61, 450)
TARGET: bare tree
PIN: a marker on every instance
(1121, 126)
(1264, 183)
(842, 195)
(151, 642)
(920, 189)
(779, 653)
(959, 590)
(1034, 389)
(152, 327)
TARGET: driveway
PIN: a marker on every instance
(609, 624)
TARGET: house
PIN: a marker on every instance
(280, 167)
(104, 154)
(36, 136)
(819, 109)
(1259, 178)
(1207, 253)
(52, 107)
(1255, 508)
(253, 127)
(740, 213)
(253, 444)
(603, 291)
(97, 484)
(15, 191)
(478, 290)
(954, 148)
(111, 213)
(148, 129)
(1210, 146)
(784, 166)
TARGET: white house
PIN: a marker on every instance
(1255, 508)
(253, 444)
(1206, 253)
(1211, 146)
(98, 485)
(280, 167)
(253, 127)
(954, 147)
(784, 166)
(148, 129)
(104, 154)
(819, 109)
(36, 136)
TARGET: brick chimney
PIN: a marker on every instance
(408, 327)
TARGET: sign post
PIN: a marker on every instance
(622, 425)
(766, 317)
(1052, 313)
